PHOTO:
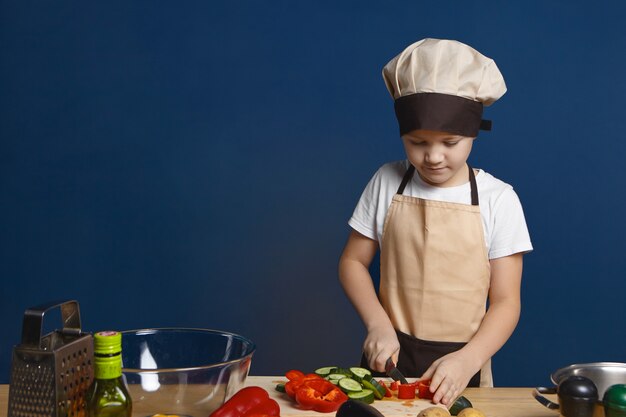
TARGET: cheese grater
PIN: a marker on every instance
(50, 374)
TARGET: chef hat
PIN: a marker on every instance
(442, 85)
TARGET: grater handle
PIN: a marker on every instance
(33, 320)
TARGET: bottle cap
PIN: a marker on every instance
(107, 343)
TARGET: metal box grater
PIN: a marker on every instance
(50, 374)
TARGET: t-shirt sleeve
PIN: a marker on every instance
(363, 218)
(509, 230)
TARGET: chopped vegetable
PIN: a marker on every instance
(312, 392)
(325, 371)
(459, 404)
(379, 391)
(280, 387)
(352, 408)
(423, 390)
(366, 396)
(349, 385)
(406, 391)
(387, 393)
(293, 384)
(361, 373)
(320, 395)
(248, 401)
(294, 374)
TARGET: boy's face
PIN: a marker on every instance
(440, 158)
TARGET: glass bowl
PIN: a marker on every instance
(181, 371)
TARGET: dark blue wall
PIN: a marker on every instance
(194, 164)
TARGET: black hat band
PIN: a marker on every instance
(440, 112)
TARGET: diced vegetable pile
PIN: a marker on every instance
(328, 387)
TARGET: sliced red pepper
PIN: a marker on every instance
(293, 384)
(394, 386)
(423, 390)
(387, 390)
(320, 395)
(406, 391)
(294, 374)
(247, 402)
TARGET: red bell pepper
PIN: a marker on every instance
(320, 395)
(295, 381)
(294, 374)
(423, 390)
(248, 402)
(312, 392)
(406, 391)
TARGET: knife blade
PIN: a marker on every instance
(392, 371)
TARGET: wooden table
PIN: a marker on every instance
(494, 402)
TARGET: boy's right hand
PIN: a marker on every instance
(381, 344)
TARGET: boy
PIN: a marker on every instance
(450, 237)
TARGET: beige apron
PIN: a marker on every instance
(434, 277)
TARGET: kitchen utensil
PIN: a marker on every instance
(183, 371)
(614, 401)
(50, 374)
(577, 395)
(393, 372)
(603, 374)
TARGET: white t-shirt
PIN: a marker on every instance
(504, 224)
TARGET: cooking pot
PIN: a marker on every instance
(573, 383)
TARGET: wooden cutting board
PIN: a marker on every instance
(494, 402)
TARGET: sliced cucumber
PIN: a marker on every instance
(349, 385)
(372, 384)
(325, 370)
(461, 403)
(344, 371)
(366, 396)
(336, 377)
(361, 373)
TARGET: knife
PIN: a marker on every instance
(392, 371)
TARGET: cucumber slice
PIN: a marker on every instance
(349, 385)
(325, 370)
(379, 390)
(344, 371)
(361, 373)
(460, 404)
(366, 396)
(336, 377)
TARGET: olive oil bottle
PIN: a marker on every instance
(108, 396)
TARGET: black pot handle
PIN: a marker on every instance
(543, 400)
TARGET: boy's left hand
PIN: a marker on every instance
(449, 376)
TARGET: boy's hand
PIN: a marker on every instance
(449, 376)
(381, 344)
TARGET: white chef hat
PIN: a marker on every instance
(442, 85)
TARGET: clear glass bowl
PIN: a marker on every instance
(184, 372)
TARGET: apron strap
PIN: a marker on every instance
(472, 179)
(473, 186)
(407, 177)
